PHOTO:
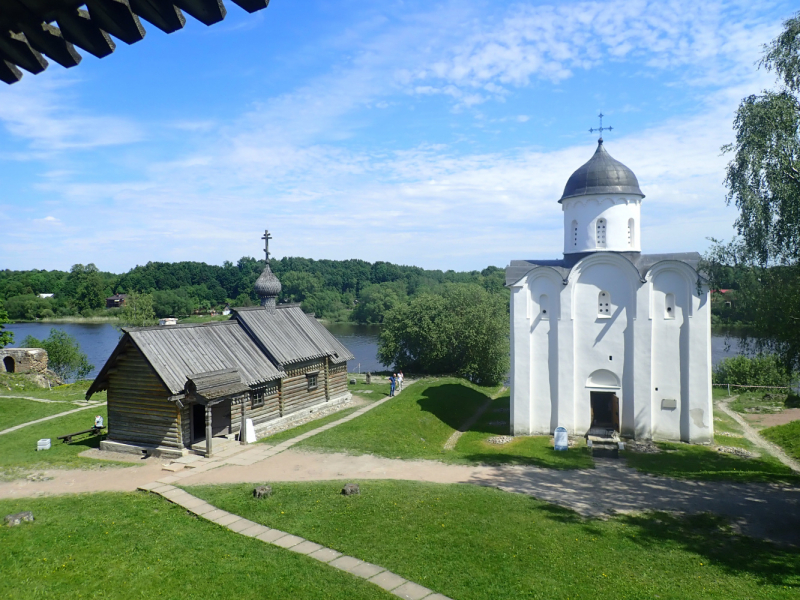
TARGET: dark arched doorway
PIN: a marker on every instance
(8, 363)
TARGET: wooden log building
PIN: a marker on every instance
(171, 387)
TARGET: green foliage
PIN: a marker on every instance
(173, 303)
(135, 545)
(786, 436)
(762, 370)
(463, 331)
(379, 299)
(6, 337)
(64, 355)
(138, 310)
(763, 180)
(480, 543)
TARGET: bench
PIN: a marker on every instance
(66, 439)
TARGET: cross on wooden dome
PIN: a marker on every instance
(266, 237)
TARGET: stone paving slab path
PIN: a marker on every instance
(391, 582)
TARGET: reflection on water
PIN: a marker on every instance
(98, 340)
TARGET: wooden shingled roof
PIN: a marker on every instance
(177, 352)
(288, 335)
(31, 30)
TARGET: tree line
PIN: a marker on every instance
(343, 290)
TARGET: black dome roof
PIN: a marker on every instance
(602, 175)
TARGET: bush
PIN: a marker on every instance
(64, 354)
(763, 369)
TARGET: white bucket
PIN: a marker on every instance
(43, 444)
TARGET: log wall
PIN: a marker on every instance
(138, 409)
(337, 380)
(295, 394)
(260, 414)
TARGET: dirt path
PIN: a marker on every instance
(753, 435)
(55, 416)
(453, 439)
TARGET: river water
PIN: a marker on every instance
(98, 340)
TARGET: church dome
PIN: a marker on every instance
(267, 285)
(602, 175)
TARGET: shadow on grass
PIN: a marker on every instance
(697, 462)
(452, 403)
(710, 536)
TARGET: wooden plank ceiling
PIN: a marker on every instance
(31, 30)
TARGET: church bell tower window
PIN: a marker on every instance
(601, 233)
(630, 233)
(604, 304)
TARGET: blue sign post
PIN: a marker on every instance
(560, 439)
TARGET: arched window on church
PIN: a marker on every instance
(544, 307)
(604, 304)
(601, 233)
(630, 233)
(574, 234)
(669, 306)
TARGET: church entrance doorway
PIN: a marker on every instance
(605, 410)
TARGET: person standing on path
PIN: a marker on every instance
(391, 385)
(400, 381)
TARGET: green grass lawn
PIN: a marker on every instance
(685, 461)
(758, 401)
(726, 424)
(19, 447)
(786, 436)
(475, 543)
(136, 545)
(472, 447)
(15, 411)
(369, 391)
(288, 434)
(18, 384)
(417, 424)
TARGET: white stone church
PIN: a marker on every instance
(609, 340)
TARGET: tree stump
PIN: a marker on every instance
(262, 491)
(350, 489)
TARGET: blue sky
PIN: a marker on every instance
(434, 134)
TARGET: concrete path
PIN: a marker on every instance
(753, 435)
(375, 574)
(68, 412)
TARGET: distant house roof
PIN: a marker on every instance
(117, 297)
(179, 352)
(289, 335)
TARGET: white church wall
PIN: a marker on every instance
(642, 360)
(701, 407)
(520, 410)
(545, 287)
(618, 211)
(670, 355)
(599, 340)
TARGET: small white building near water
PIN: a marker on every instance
(607, 339)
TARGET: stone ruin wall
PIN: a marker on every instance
(26, 360)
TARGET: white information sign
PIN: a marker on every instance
(560, 439)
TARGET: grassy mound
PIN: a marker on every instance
(786, 436)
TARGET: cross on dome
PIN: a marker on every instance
(266, 237)
(601, 129)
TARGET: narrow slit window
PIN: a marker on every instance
(630, 233)
(574, 234)
(604, 304)
(544, 307)
(669, 306)
(601, 233)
